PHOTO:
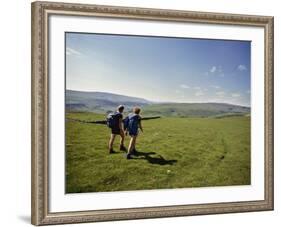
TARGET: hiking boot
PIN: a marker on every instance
(123, 148)
(134, 151)
(129, 156)
(111, 151)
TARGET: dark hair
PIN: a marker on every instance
(120, 108)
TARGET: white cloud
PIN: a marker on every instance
(216, 70)
(235, 95)
(184, 86)
(220, 93)
(199, 93)
(70, 51)
(213, 69)
(215, 86)
(241, 67)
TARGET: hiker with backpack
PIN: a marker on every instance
(115, 123)
(132, 124)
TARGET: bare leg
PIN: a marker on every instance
(132, 144)
(111, 141)
(122, 139)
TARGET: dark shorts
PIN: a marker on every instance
(133, 133)
(115, 131)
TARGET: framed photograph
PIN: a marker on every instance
(149, 113)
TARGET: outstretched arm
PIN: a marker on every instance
(140, 126)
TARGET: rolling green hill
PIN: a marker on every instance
(195, 109)
(101, 102)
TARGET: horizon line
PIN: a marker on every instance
(160, 102)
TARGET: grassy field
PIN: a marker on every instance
(173, 152)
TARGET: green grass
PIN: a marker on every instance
(174, 152)
(194, 109)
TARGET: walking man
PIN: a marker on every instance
(114, 121)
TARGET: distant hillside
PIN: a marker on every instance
(195, 109)
(100, 101)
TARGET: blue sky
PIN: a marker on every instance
(160, 69)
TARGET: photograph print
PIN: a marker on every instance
(145, 112)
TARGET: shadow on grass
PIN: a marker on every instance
(159, 160)
(118, 152)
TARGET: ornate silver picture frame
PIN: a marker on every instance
(41, 13)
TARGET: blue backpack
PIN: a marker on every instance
(133, 123)
(112, 120)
